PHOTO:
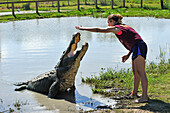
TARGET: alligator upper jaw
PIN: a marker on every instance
(73, 47)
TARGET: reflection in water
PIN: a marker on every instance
(86, 103)
(0, 49)
(37, 22)
(168, 48)
(32, 47)
(80, 102)
(62, 104)
(13, 25)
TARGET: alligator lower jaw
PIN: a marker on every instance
(72, 54)
(84, 46)
(80, 53)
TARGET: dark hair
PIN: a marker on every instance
(116, 17)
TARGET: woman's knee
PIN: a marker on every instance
(139, 64)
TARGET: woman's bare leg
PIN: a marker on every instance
(135, 81)
(139, 64)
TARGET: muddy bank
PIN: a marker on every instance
(153, 105)
(30, 102)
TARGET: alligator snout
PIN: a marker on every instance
(76, 37)
(73, 45)
(76, 34)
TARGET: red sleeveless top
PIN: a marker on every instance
(127, 36)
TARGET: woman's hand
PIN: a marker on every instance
(78, 27)
(124, 58)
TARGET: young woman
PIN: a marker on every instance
(135, 44)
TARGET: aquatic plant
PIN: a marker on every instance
(19, 103)
(10, 108)
(109, 79)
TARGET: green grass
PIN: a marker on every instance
(138, 12)
(158, 79)
(148, 4)
(150, 8)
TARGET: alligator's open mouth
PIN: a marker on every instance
(68, 56)
(73, 46)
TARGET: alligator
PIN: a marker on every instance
(62, 77)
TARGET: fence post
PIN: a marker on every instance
(96, 4)
(111, 4)
(13, 12)
(78, 5)
(141, 4)
(162, 4)
(7, 4)
(123, 3)
(58, 5)
(36, 3)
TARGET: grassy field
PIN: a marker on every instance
(150, 8)
(103, 12)
(69, 4)
(158, 77)
(158, 89)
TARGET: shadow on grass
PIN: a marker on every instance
(155, 105)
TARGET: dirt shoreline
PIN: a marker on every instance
(126, 105)
(122, 106)
(152, 106)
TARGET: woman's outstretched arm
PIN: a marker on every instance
(101, 30)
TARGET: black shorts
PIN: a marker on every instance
(140, 48)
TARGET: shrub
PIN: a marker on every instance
(26, 6)
(166, 5)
